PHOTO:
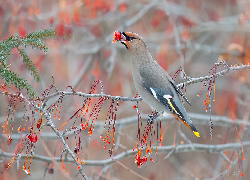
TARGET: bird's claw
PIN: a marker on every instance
(152, 118)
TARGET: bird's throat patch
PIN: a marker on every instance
(126, 44)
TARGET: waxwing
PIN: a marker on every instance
(152, 82)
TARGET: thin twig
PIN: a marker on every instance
(219, 74)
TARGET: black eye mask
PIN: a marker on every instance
(128, 38)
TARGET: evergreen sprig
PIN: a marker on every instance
(13, 78)
(29, 64)
(35, 40)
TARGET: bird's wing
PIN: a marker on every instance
(163, 94)
(178, 90)
(165, 97)
(169, 99)
(155, 80)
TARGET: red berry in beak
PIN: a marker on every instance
(117, 36)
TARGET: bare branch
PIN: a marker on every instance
(202, 119)
(130, 153)
(219, 74)
(225, 157)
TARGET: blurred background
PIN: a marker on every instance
(191, 34)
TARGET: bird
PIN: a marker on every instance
(152, 82)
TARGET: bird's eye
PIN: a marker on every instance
(128, 38)
(131, 38)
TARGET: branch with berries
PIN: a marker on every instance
(39, 104)
(130, 153)
(201, 119)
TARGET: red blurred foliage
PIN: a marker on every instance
(60, 16)
(123, 7)
(96, 31)
(186, 22)
(38, 11)
(107, 53)
(155, 22)
(67, 18)
(162, 57)
(243, 18)
(5, 173)
(1, 11)
(93, 14)
(96, 71)
(170, 28)
(51, 20)
(185, 35)
(213, 15)
(87, 3)
(76, 16)
(31, 11)
(99, 5)
(221, 103)
(95, 143)
(69, 31)
(60, 29)
(21, 31)
(158, 17)
(152, 176)
(232, 107)
(39, 62)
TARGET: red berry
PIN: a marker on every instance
(117, 36)
(33, 138)
(9, 141)
(144, 160)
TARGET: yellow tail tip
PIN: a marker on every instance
(196, 134)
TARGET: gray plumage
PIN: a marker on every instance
(153, 83)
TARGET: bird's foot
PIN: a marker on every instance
(152, 118)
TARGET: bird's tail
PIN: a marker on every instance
(189, 124)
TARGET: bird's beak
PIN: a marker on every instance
(120, 36)
(125, 37)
